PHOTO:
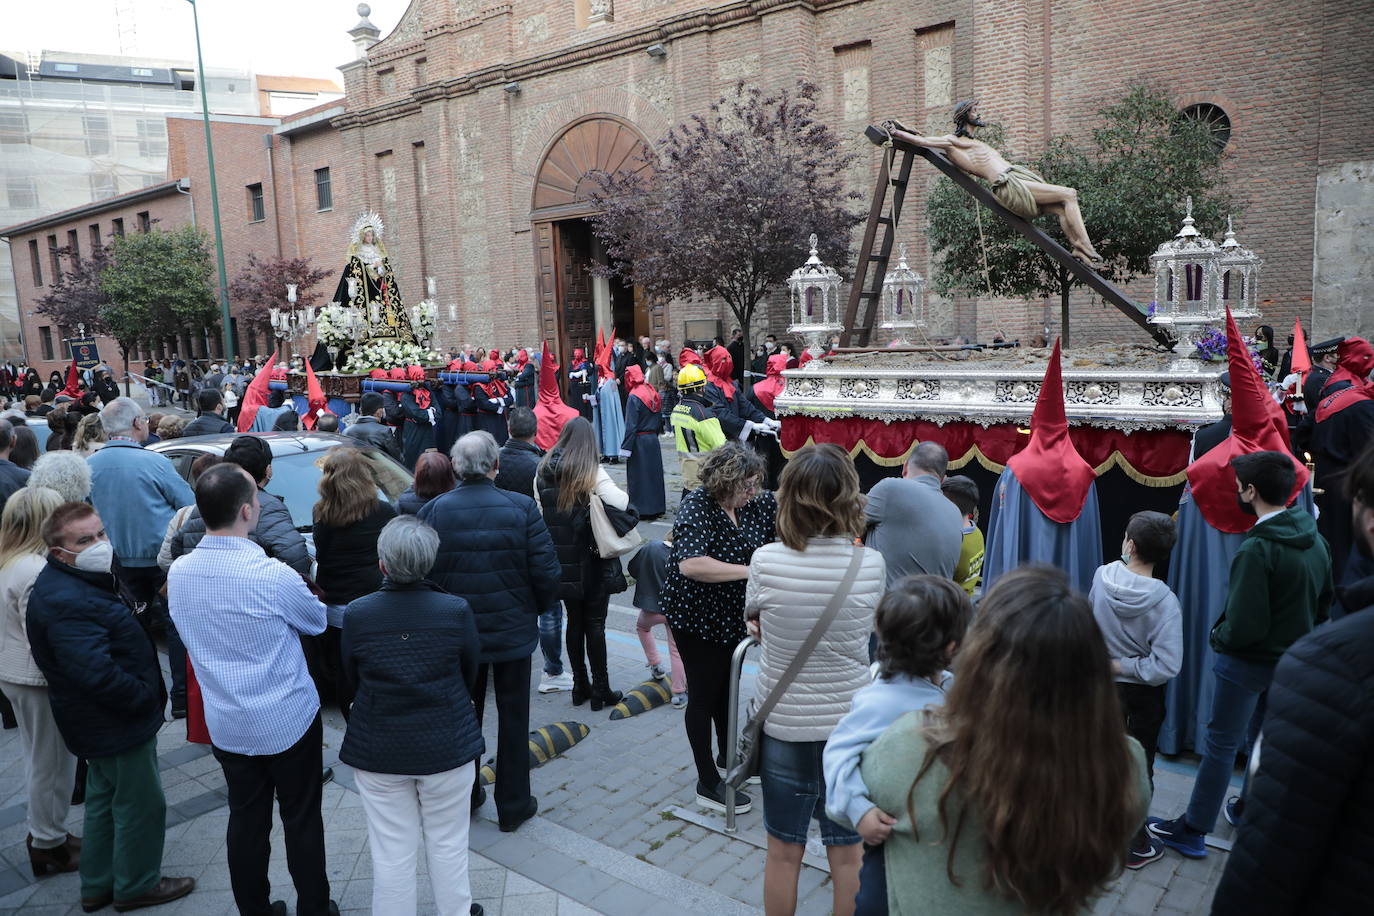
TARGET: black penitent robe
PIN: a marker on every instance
(1336, 442)
(644, 471)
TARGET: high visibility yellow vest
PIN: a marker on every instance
(696, 429)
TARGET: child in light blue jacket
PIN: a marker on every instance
(920, 623)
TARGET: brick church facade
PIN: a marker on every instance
(471, 128)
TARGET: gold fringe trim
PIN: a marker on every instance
(1115, 459)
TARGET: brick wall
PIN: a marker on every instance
(168, 209)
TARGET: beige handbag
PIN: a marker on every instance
(612, 539)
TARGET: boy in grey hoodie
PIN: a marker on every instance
(1142, 625)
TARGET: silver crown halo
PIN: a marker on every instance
(369, 219)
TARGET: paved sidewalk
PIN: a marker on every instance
(617, 831)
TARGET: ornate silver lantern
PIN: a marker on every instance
(815, 302)
(1187, 285)
(904, 302)
(1239, 269)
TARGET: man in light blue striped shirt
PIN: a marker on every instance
(241, 615)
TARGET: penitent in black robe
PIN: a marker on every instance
(644, 472)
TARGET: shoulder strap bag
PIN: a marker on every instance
(747, 748)
(614, 530)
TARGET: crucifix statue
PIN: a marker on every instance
(1016, 187)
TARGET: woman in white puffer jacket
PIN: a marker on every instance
(791, 582)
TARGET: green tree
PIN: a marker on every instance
(157, 284)
(1144, 159)
(732, 196)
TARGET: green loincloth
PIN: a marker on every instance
(1011, 191)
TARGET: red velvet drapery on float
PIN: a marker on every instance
(1155, 458)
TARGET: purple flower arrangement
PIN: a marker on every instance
(1211, 346)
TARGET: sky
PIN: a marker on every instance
(277, 37)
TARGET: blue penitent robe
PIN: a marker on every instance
(266, 418)
(1200, 575)
(608, 418)
(1019, 533)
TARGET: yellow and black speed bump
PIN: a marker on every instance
(546, 743)
(642, 699)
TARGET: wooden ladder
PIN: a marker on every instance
(865, 294)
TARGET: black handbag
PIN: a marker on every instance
(613, 579)
(747, 747)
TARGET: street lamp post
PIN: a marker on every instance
(228, 329)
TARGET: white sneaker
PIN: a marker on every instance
(553, 683)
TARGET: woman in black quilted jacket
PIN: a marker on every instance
(410, 652)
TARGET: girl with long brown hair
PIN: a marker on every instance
(1020, 795)
(568, 477)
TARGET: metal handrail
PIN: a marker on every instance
(732, 728)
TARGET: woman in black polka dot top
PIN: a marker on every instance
(718, 528)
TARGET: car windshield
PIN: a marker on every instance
(296, 479)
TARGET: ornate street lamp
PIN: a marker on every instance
(1239, 268)
(904, 304)
(815, 302)
(1187, 285)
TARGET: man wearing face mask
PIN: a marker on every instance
(1280, 588)
(136, 493)
(107, 698)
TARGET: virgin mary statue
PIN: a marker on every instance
(369, 285)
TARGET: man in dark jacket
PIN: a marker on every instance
(1280, 588)
(276, 532)
(211, 420)
(495, 553)
(370, 431)
(1305, 843)
(107, 698)
(518, 463)
(12, 476)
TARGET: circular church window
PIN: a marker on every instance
(1214, 119)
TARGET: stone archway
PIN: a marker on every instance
(570, 298)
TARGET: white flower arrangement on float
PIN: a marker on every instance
(387, 354)
(422, 319)
(332, 326)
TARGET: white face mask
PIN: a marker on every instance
(96, 558)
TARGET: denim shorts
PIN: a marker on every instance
(793, 789)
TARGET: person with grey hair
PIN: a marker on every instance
(136, 493)
(12, 476)
(495, 552)
(911, 523)
(413, 737)
(64, 471)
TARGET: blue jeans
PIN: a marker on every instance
(793, 789)
(551, 640)
(871, 900)
(1239, 686)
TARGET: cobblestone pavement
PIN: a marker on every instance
(617, 830)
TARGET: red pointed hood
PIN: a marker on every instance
(1049, 469)
(767, 390)
(1211, 477)
(255, 395)
(550, 410)
(688, 357)
(634, 381)
(719, 367)
(603, 353)
(73, 389)
(417, 374)
(1302, 360)
(316, 403)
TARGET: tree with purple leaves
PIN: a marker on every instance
(725, 210)
(262, 284)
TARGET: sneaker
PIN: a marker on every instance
(1178, 836)
(679, 700)
(656, 673)
(714, 799)
(1235, 808)
(1139, 858)
(552, 683)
